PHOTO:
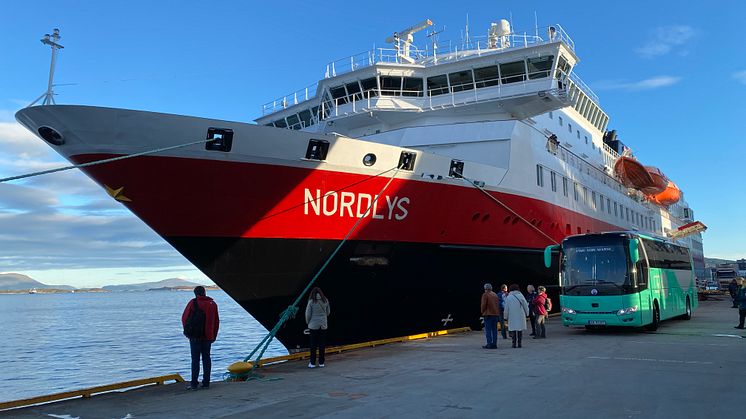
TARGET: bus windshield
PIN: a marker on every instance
(596, 265)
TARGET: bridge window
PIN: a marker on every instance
(437, 85)
(353, 90)
(412, 86)
(513, 72)
(280, 123)
(305, 117)
(539, 67)
(461, 80)
(338, 94)
(488, 76)
(391, 85)
(370, 87)
(294, 121)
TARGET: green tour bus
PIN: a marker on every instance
(623, 279)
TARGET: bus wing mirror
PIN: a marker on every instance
(548, 255)
(634, 251)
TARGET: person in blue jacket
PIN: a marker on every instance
(501, 296)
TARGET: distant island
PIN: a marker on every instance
(15, 283)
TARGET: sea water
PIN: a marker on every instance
(59, 342)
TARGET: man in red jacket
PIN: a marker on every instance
(201, 345)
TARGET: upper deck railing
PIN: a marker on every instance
(427, 57)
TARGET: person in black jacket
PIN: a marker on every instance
(531, 295)
(733, 290)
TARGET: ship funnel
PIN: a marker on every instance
(498, 35)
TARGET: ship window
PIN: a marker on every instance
(576, 191)
(586, 138)
(370, 87)
(593, 198)
(608, 205)
(560, 121)
(220, 139)
(601, 202)
(391, 85)
(353, 90)
(339, 95)
(513, 72)
(585, 196)
(539, 67)
(437, 85)
(412, 86)
(314, 114)
(554, 181)
(305, 117)
(626, 210)
(564, 185)
(615, 209)
(550, 115)
(461, 80)
(280, 123)
(294, 121)
(539, 175)
(569, 127)
(487, 76)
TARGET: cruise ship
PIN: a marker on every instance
(402, 180)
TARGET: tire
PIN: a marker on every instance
(656, 318)
(688, 313)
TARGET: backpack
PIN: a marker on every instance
(194, 327)
(548, 305)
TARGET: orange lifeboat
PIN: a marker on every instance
(670, 196)
(647, 179)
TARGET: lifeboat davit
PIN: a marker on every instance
(670, 196)
(647, 179)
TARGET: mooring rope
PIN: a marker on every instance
(290, 312)
(104, 161)
(492, 197)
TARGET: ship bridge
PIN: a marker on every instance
(517, 75)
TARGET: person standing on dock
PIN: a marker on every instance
(317, 311)
(516, 310)
(201, 322)
(733, 291)
(531, 309)
(502, 295)
(490, 311)
(540, 302)
(741, 299)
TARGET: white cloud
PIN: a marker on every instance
(18, 141)
(740, 76)
(646, 84)
(665, 39)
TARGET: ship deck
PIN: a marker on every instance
(685, 369)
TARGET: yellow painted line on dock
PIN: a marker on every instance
(339, 349)
(88, 392)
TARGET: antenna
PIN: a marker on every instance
(536, 25)
(467, 32)
(51, 40)
(434, 40)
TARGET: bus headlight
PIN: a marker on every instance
(628, 310)
(568, 310)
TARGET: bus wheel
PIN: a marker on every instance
(656, 318)
(688, 314)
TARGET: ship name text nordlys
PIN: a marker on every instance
(350, 204)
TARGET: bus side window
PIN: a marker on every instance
(642, 275)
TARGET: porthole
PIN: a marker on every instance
(51, 136)
(369, 159)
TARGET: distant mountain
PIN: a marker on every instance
(712, 262)
(14, 281)
(145, 286)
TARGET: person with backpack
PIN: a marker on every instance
(531, 295)
(317, 311)
(542, 305)
(201, 322)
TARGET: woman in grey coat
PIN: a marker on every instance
(317, 311)
(516, 310)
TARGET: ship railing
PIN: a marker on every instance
(291, 99)
(584, 87)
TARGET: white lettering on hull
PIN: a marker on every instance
(355, 205)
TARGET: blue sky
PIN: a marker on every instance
(671, 75)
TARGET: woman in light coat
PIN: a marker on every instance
(317, 311)
(516, 310)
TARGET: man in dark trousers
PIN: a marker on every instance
(733, 291)
(208, 331)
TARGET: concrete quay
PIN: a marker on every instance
(687, 369)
